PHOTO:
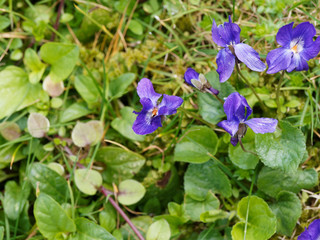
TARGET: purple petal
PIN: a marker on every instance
(284, 35)
(169, 104)
(231, 127)
(311, 51)
(214, 91)
(279, 59)
(145, 90)
(235, 107)
(298, 63)
(225, 61)
(190, 74)
(304, 31)
(228, 33)
(145, 123)
(314, 229)
(249, 57)
(262, 125)
(234, 141)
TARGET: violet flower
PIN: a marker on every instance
(297, 48)
(149, 119)
(228, 37)
(199, 81)
(313, 231)
(238, 111)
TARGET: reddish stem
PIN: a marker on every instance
(56, 25)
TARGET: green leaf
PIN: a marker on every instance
(241, 158)
(195, 208)
(73, 112)
(51, 219)
(142, 223)
(88, 181)
(10, 130)
(14, 82)
(199, 179)
(89, 133)
(261, 220)
(130, 192)
(159, 230)
(210, 234)
(38, 125)
(62, 58)
(1, 232)
(124, 124)
(121, 164)
(32, 61)
(213, 215)
(287, 210)
(282, 149)
(273, 181)
(119, 85)
(54, 89)
(135, 27)
(108, 217)
(196, 145)
(86, 88)
(4, 22)
(49, 182)
(15, 199)
(87, 229)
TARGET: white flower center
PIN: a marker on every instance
(296, 45)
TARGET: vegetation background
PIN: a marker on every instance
(77, 63)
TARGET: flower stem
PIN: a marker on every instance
(121, 212)
(245, 150)
(278, 94)
(251, 87)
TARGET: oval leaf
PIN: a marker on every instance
(130, 192)
(38, 125)
(50, 217)
(262, 222)
(196, 145)
(10, 130)
(54, 89)
(87, 180)
(159, 230)
(89, 133)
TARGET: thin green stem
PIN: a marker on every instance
(248, 204)
(264, 108)
(278, 95)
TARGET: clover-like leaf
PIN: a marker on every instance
(261, 223)
(159, 230)
(38, 125)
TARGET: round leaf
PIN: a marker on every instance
(54, 89)
(283, 149)
(87, 229)
(10, 130)
(88, 133)
(130, 192)
(159, 230)
(261, 224)
(38, 125)
(87, 180)
(51, 218)
(196, 145)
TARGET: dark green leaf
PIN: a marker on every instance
(282, 149)
(203, 178)
(196, 145)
